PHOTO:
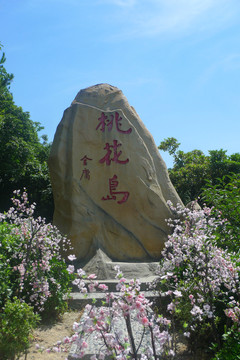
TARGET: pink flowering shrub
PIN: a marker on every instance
(199, 292)
(122, 308)
(31, 266)
(199, 280)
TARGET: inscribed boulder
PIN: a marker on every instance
(110, 184)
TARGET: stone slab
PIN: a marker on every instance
(77, 300)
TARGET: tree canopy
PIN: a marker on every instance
(23, 157)
(193, 170)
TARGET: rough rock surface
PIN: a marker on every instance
(110, 184)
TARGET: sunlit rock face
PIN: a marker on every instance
(110, 184)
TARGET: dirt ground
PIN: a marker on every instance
(46, 336)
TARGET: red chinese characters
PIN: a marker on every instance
(113, 157)
(113, 154)
(85, 160)
(104, 122)
(113, 184)
(86, 172)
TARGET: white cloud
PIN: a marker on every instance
(156, 17)
(150, 18)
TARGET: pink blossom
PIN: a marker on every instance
(70, 269)
(74, 337)
(56, 349)
(92, 276)
(138, 304)
(91, 287)
(171, 307)
(66, 340)
(103, 287)
(177, 293)
(196, 310)
(75, 326)
(144, 321)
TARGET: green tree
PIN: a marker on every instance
(23, 157)
(225, 197)
(192, 170)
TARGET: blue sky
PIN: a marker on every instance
(176, 61)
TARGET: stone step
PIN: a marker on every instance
(144, 286)
(78, 301)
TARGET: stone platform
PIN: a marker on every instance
(103, 267)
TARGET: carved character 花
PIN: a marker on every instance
(116, 154)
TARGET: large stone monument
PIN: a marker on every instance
(110, 184)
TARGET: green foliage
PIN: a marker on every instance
(17, 320)
(9, 280)
(5, 78)
(170, 145)
(225, 197)
(231, 346)
(193, 170)
(23, 157)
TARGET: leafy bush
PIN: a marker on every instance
(17, 320)
(199, 280)
(225, 197)
(31, 265)
(231, 346)
(9, 279)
